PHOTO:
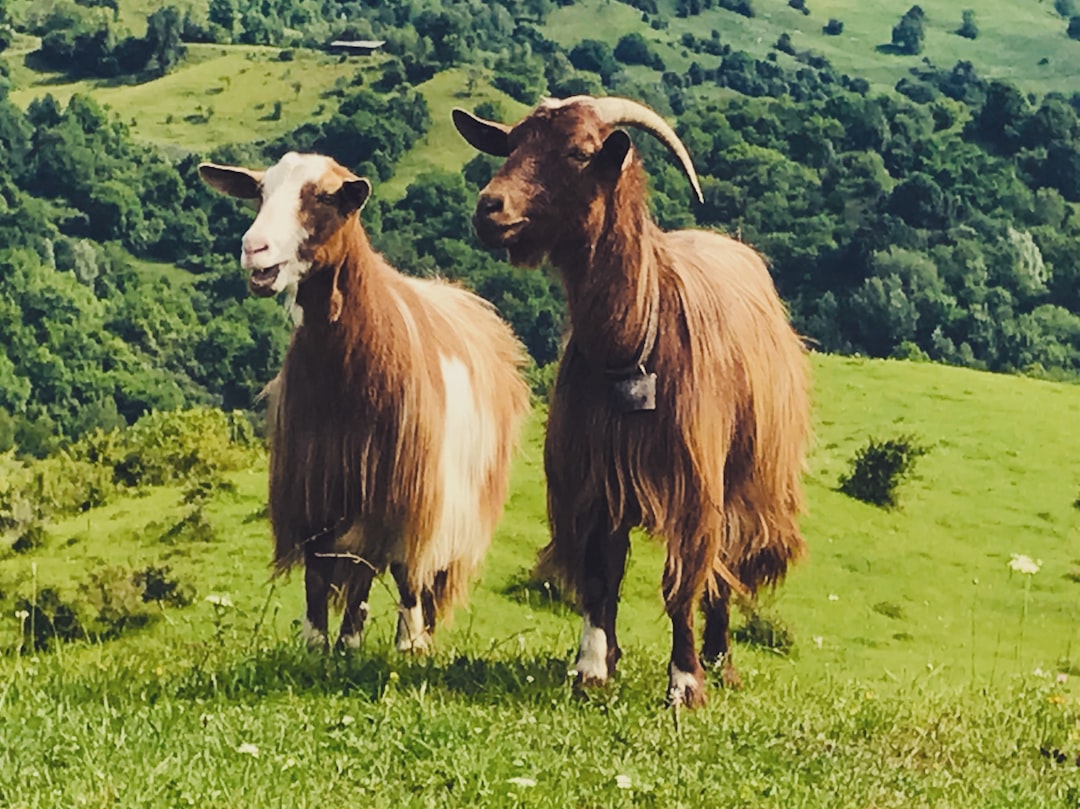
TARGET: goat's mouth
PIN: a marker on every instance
(498, 234)
(261, 282)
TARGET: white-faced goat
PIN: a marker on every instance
(681, 402)
(394, 417)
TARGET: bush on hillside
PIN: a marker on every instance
(968, 28)
(833, 27)
(878, 469)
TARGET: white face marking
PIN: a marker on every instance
(275, 237)
(411, 635)
(315, 638)
(680, 685)
(591, 663)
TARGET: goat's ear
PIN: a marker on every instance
(487, 136)
(232, 180)
(353, 194)
(612, 155)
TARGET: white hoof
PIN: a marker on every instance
(412, 636)
(591, 667)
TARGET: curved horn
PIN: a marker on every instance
(623, 111)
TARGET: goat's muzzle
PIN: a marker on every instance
(261, 281)
(493, 225)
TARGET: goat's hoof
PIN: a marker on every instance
(588, 682)
(418, 645)
(346, 643)
(721, 664)
(686, 689)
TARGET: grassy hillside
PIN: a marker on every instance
(443, 148)
(914, 678)
(1014, 36)
(218, 95)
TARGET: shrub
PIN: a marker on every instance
(833, 27)
(968, 28)
(47, 617)
(878, 469)
(1074, 27)
(116, 600)
(799, 5)
(764, 631)
(158, 584)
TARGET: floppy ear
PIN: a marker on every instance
(232, 180)
(353, 194)
(487, 136)
(609, 160)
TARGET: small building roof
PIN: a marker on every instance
(366, 44)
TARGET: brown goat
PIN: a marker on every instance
(681, 402)
(394, 417)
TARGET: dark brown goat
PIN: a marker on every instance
(394, 417)
(681, 403)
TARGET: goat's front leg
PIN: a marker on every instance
(686, 677)
(605, 563)
(412, 631)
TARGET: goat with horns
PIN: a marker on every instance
(681, 402)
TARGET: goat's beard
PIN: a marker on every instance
(525, 255)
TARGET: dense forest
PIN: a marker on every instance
(935, 222)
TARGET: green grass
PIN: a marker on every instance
(912, 680)
(219, 95)
(1013, 38)
(443, 148)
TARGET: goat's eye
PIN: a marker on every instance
(579, 155)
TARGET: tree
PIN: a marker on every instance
(163, 29)
(633, 49)
(909, 33)
(833, 27)
(968, 28)
(1074, 27)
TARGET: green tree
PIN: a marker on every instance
(968, 29)
(908, 34)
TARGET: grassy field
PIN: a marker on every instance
(923, 671)
(1013, 38)
(219, 95)
(443, 148)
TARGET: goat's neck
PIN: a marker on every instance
(612, 285)
(345, 268)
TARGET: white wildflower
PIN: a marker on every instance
(220, 600)
(1038, 672)
(347, 720)
(518, 781)
(248, 749)
(1022, 563)
(819, 641)
(1063, 678)
(22, 615)
(623, 782)
(833, 597)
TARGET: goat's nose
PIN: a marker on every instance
(253, 246)
(489, 204)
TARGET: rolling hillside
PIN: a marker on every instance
(898, 621)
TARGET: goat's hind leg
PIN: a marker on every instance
(412, 628)
(318, 583)
(716, 648)
(358, 577)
